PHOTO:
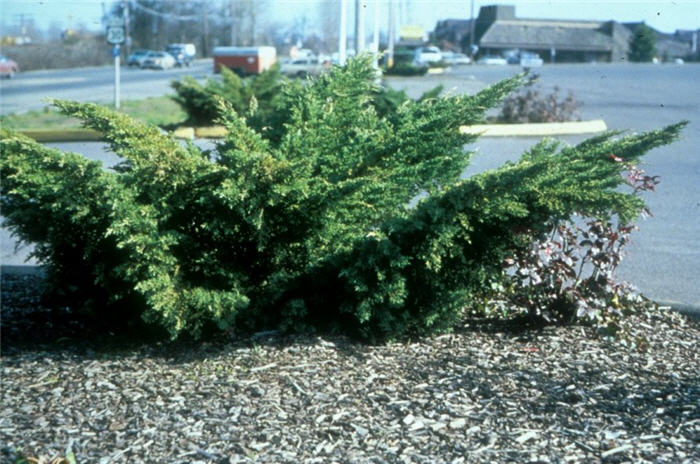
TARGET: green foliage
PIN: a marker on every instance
(387, 101)
(406, 69)
(257, 95)
(311, 227)
(642, 44)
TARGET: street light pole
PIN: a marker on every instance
(471, 33)
(359, 27)
(343, 39)
(392, 32)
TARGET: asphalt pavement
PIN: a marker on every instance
(29, 90)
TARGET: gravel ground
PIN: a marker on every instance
(486, 393)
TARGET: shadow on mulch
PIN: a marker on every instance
(27, 325)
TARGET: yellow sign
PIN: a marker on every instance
(410, 31)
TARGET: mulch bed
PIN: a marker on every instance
(485, 393)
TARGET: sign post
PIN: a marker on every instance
(116, 37)
(115, 54)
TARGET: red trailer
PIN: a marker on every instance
(244, 60)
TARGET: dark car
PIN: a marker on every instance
(136, 57)
(183, 53)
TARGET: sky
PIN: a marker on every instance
(664, 15)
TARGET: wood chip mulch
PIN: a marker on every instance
(482, 394)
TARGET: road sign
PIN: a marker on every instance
(115, 35)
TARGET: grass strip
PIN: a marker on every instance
(160, 111)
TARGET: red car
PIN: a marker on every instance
(8, 67)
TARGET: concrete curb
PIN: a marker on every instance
(217, 132)
(536, 129)
(689, 310)
(436, 70)
(485, 130)
(211, 132)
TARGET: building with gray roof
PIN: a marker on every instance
(497, 31)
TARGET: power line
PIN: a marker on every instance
(166, 15)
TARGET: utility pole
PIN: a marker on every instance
(232, 13)
(359, 26)
(375, 32)
(205, 26)
(471, 34)
(392, 32)
(127, 33)
(375, 35)
(343, 39)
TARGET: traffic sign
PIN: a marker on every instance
(115, 35)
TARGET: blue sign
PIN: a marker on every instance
(115, 51)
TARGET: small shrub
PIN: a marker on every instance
(569, 271)
(531, 106)
(313, 228)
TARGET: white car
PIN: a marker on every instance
(492, 59)
(453, 58)
(302, 67)
(425, 56)
(530, 60)
(158, 60)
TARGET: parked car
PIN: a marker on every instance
(8, 67)
(158, 60)
(530, 60)
(427, 56)
(492, 59)
(183, 53)
(302, 67)
(136, 57)
(453, 58)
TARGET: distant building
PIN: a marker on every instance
(497, 31)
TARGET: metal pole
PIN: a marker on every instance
(359, 26)
(375, 32)
(116, 76)
(375, 35)
(126, 28)
(471, 33)
(392, 32)
(342, 41)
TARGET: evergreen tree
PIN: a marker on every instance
(642, 44)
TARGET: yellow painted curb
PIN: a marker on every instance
(186, 133)
(216, 132)
(212, 132)
(62, 135)
(436, 70)
(536, 130)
